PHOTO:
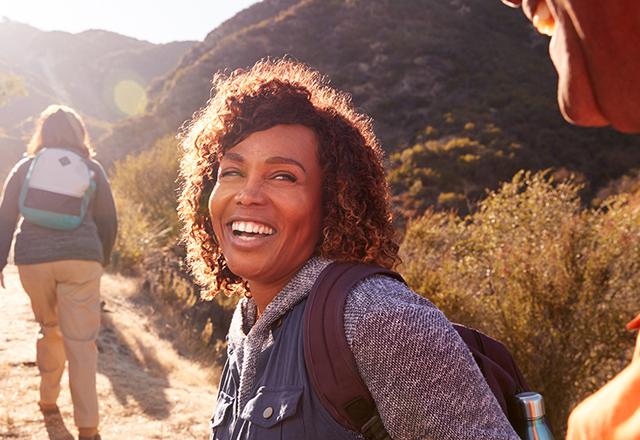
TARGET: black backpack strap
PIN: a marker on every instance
(329, 361)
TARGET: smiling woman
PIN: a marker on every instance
(282, 179)
(266, 207)
(302, 133)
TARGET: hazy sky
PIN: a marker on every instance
(158, 21)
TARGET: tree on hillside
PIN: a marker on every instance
(452, 165)
(10, 86)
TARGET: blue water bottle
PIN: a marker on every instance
(534, 424)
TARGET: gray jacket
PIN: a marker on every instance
(92, 240)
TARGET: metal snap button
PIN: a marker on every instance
(268, 412)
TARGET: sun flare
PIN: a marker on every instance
(130, 97)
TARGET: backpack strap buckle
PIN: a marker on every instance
(365, 416)
(374, 429)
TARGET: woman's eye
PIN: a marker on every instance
(285, 176)
(229, 173)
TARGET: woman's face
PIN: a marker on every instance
(266, 206)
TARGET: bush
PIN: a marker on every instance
(10, 86)
(144, 187)
(203, 325)
(451, 171)
(553, 281)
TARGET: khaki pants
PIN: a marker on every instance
(65, 298)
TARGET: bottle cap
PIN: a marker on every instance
(532, 404)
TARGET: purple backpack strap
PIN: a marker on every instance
(329, 361)
(498, 368)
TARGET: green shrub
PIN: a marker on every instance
(553, 281)
(441, 165)
(144, 187)
(10, 86)
(137, 235)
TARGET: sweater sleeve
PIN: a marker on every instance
(9, 208)
(104, 213)
(419, 371)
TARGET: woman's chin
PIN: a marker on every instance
(246, 270)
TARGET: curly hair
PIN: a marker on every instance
(356, 224)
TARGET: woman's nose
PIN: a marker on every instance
(250, 194)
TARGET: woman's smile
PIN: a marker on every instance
(245, 233)
(266, 206)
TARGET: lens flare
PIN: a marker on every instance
(130, 97)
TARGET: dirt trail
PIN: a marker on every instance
(147, 390)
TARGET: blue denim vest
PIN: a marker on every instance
(284, 404)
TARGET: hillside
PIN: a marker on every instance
(79, 69)
(101, 74)
(425, 70)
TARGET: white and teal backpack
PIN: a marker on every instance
(57, 189)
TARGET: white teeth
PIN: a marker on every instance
(251, 227)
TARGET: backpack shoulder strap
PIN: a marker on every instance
(498, 368)
(333, 371)
(329, 361)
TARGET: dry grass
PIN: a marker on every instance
(148, 388)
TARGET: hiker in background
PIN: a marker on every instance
(281, 177)
(60, 200)
(595, 47)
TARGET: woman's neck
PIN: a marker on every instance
(263, 292)
(263, 295)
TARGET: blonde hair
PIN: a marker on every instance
(60, 126)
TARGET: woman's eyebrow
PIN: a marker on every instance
(235, 157)
(287, 160)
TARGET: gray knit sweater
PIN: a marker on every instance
(420, 373)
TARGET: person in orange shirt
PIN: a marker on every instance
(595, 48)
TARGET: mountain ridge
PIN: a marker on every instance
(82, 70)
